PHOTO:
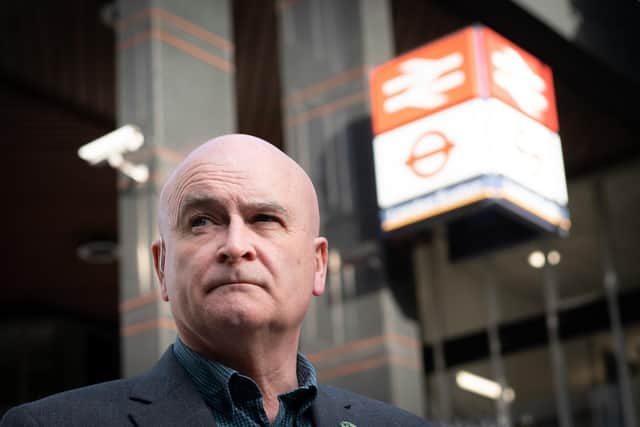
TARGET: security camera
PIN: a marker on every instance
(111, 148)
(122, 140)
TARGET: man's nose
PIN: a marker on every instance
(237, 243)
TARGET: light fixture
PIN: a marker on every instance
(111, 148)
(536, 259)
(484, 387)
(98, 252)
(553, 257)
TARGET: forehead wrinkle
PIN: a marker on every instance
(197, 199)
(196, 181)
(239, 153)
(194, 201)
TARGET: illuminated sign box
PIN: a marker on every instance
(467, 119)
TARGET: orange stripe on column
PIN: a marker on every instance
(139, 301)
(363, 344)
(193, 50)
(193, 29)
(350, 347)
(326, 109)
(180, 23)
(148, 325)
(134, 40)
(283, 4)
(180, 44)
(405, 341)
(124, 23)
(125, 183)
(150, 152)
(320, 87)
(366, 365)
(167, 153)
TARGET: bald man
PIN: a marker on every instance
(238, 260)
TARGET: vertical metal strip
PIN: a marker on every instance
(610, 279)
(438, 259)
(555, 347)
(420, 260)
(495, 348)
(427, 268)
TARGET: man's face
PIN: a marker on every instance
(241, 251)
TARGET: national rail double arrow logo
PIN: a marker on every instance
(429, 154)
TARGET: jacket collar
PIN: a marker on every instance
(166, 396)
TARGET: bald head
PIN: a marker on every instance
(238, 158)
(240, 250)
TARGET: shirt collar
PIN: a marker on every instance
(221, 387)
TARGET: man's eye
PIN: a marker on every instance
(200, 221)
(265, 218)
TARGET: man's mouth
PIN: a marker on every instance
(232, 281)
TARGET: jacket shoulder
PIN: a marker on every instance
(162, 396)
(363, 410)
(87, 404)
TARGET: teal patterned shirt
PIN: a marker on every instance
(235, 400)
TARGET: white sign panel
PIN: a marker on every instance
(480, 137)
(429, 154)
(525, 151)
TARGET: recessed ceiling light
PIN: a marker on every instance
(536, 259)
(483, 386)
(553, 257)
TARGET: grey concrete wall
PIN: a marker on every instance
(175, 73)
(361, 334)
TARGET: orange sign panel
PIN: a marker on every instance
(474, 62)
(423, 81)
(519, 79)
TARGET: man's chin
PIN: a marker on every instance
(242, 322)
(236, 309)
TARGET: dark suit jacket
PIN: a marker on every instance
(166, 396)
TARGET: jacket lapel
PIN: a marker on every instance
(166, 396)
(330, 411)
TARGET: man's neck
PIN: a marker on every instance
(271, 363)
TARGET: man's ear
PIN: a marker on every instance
(158, 249)
(321, 256)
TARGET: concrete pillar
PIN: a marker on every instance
(359, 334)
(175, 73)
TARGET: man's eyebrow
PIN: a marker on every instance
(194, 201)
(200, 201)
(271, 207)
